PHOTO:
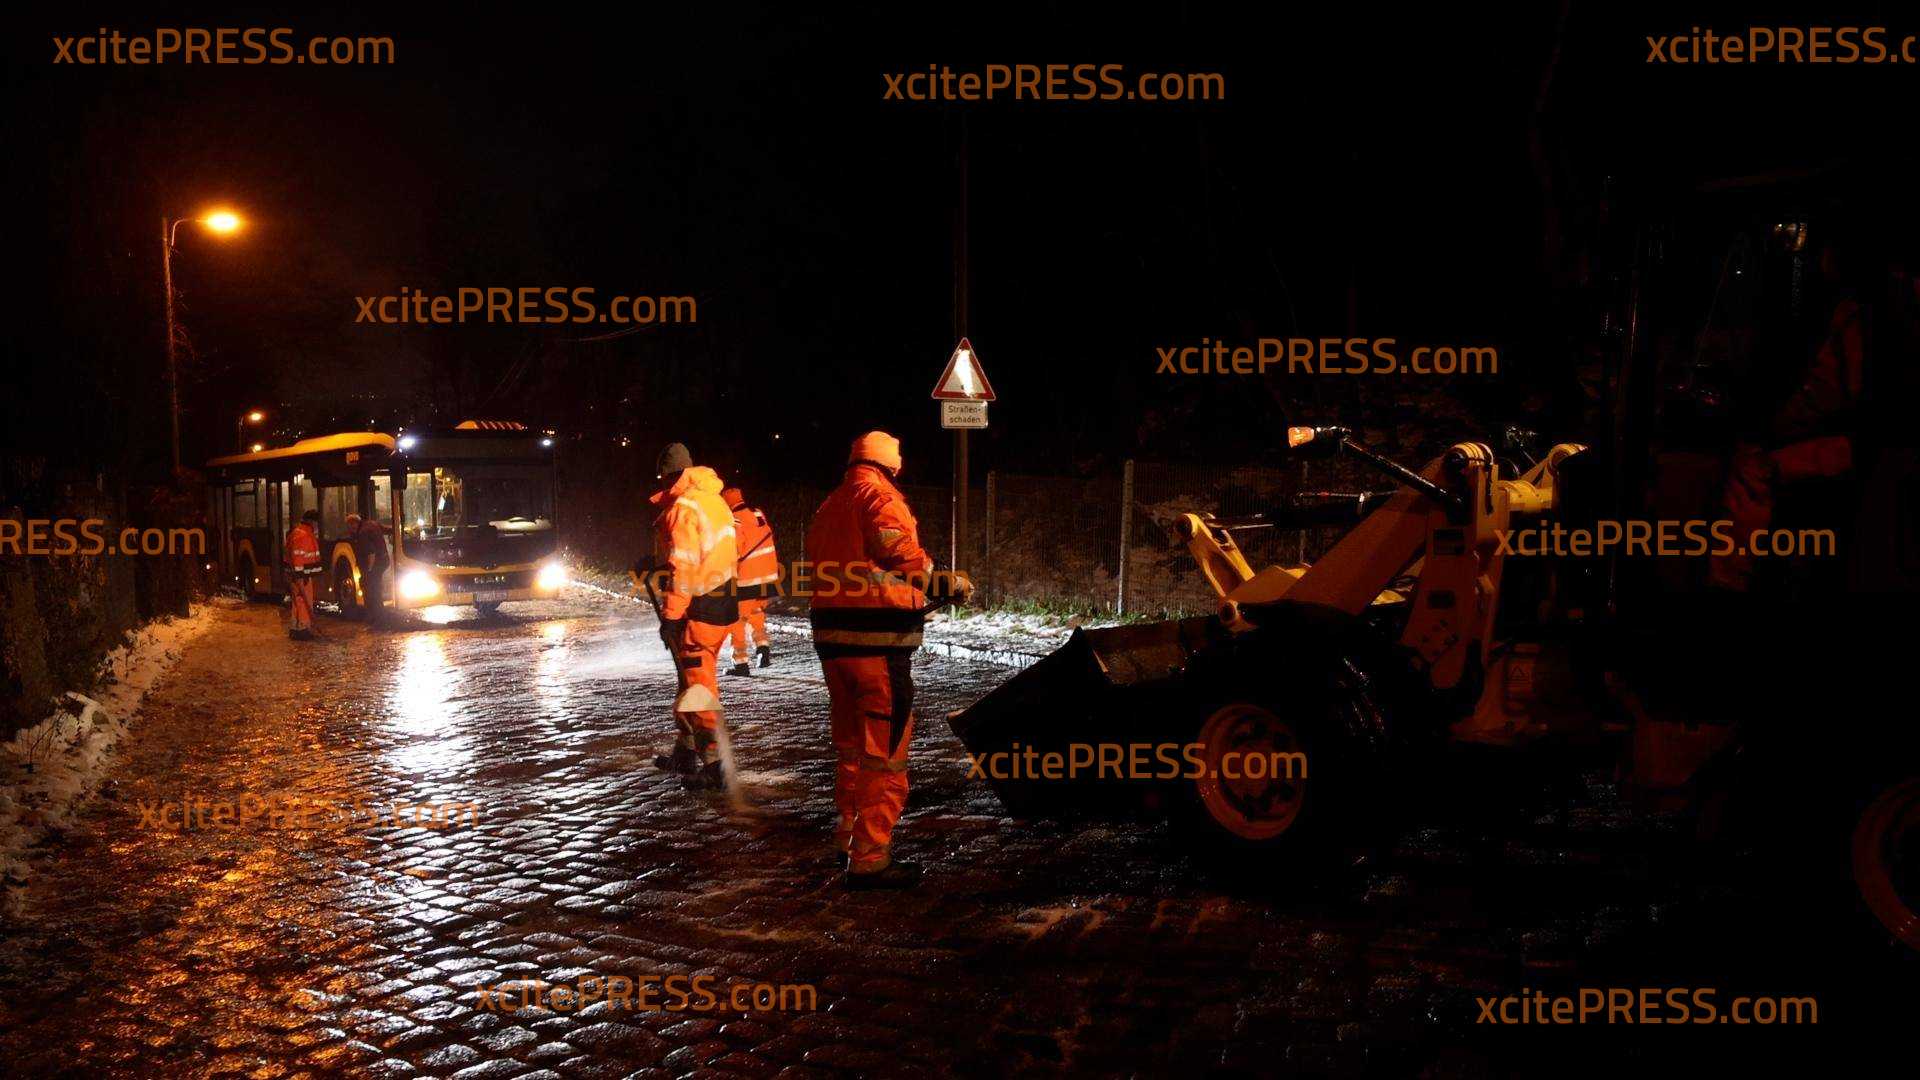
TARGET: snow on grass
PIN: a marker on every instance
(998, 636)
(1013, 624)
(48, 770)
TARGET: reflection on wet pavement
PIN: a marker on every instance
(359, 946)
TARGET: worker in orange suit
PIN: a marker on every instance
(1811, 435)
(872, 585)
(756, 576)
(694, 560)
(303, 567)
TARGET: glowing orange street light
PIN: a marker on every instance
(219, 222)
(253, 416)
(257, 447)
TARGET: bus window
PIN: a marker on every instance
(511, 498)
(335, 504)
(383, 499)
(449, 500)
(246, 505)
(302, 497)
(416, 507)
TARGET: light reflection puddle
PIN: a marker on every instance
(423, 708)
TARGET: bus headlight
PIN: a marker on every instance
(418, 585)
(552, 577)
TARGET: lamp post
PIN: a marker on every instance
(252, 416)
(222, 222)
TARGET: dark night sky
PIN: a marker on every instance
(745, 157)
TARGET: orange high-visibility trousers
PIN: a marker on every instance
(871, 713)
(300, 591)
(696, 711)
(753, 615)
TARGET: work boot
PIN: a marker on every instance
(740, 668)
(683, 760)
(709, 778)
(899, 875)
(766, 656)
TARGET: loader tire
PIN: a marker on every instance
(1236, 741)
(1277, 780)
(1886, 860)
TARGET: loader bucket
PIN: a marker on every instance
(1113, 686)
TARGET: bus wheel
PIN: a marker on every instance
(244, 570)
(344, 592)
(488, 610)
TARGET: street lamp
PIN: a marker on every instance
(253, 416)
(219, 222)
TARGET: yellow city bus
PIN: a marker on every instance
(470, 511)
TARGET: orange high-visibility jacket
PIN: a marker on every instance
(1834, 380)
(303, 549)
(868, 570)
(694, 536)
(759, 565)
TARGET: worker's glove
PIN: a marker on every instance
(949, 587)
(670, 631)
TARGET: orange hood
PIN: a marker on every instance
(696, 478)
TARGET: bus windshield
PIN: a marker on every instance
(510, 498)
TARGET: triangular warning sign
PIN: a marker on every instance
(964, 379)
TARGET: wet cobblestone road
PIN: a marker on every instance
(356, 947)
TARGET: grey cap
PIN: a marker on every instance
(675, 458)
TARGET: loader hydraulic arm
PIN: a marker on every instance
(1442, 525)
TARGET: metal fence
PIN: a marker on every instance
(1111, 544)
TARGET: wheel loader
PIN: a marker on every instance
(1385, 644)
(1417, 637)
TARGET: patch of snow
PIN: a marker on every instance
(48, 770)
(1005, 638)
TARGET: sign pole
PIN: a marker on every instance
(963, 393)
(959, 552)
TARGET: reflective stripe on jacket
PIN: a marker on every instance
(862, 545)
(303, 547)
(759, 563)
(694, 536)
